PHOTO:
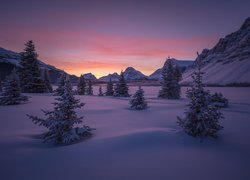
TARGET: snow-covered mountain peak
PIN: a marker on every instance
(89, 76)
(131, 74)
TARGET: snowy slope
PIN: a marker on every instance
(127, 144)
(228, 61)
(182, 64)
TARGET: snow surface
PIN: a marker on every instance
(127, 144)
(221, 73)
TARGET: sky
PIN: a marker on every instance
(106, 36)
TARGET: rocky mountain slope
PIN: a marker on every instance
(89, 76)
(10, 59)
(131, 74)
(114, 77)
(228, 62)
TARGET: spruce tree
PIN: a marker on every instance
(47, 81)
(110, 90)
(170, 84)
(81, 86)
(100, 91)
(61, 122)
(138, 101)
(121, 89)
(31, 80)
(11, 93)
(90, 88)
(60, 85)
(202, 118)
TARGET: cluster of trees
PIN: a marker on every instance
(28, 78)
(120, 90)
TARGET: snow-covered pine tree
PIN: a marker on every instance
(90, 88)
(47, 81)
(138, 101)
(110, 90)
(31, 80)
(60, 85)
(121, 89)
(62, 120)
(81, 86)
(170, 84)
(11, 93)
(202, 118)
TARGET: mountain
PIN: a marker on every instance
(228, 62)
(182, 64)
(131, 74)
(10, 60)
(89, 76)
(114, 77)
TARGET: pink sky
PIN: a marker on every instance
(103, 37)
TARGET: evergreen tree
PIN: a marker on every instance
(11, 93)
(217, 99)
(81, 86)
(62, 120)
(138, 101)
(90, 88)
(31, 80)
(47, 81)
(100, 91)
(121, 89)
(110, 90)
(60, 85)
(170, 86)
(202, 118)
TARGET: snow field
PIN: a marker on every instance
(127, 144)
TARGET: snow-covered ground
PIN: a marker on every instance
(127, 144)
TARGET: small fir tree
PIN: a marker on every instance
(100, 91)
(90, 88)
(60, 85)
(81, 86)
(62, 120)
(171, 76)
(138, 101)
(31, 80)
(47, 81)
(218, 100)
(202, 118)
(110, 90)
(121, 89)
(11, 93)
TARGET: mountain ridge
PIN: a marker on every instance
(228, 62)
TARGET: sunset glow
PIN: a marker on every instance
(102, 38)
